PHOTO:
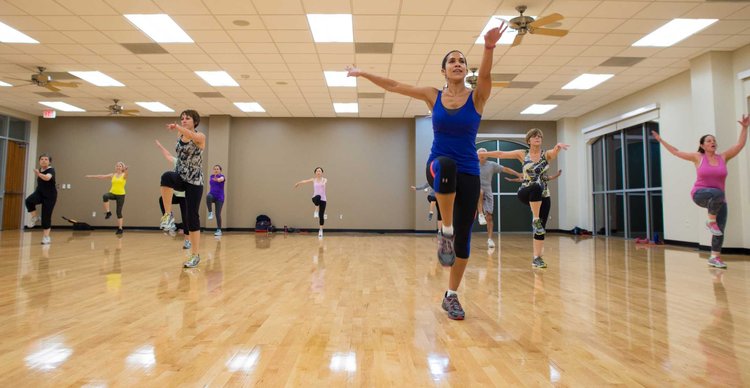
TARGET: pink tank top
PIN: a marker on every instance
(319, 188)
(710, 177)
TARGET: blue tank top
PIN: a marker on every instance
(456, 134)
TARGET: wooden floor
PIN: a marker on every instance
(364, 310)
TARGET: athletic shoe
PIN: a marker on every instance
(446, 253)
(192, 262)
(453, 307)
(490, 243)
(538, 228)
(713, 227)
(482, 220)
(716, 262)
(108, 215)
(33, 221)
(119, 231)
(210, 215)
(46, 240)
(538, 263)
(187, 245)
(429, 216)
(315, 214)
(167, 221)
(320, 233)
(218, 232)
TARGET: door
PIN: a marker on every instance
(13, 197)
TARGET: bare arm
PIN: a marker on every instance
(198, 138)
(125, 172)
(513, 172)
(735, 149)
(303, 182)
(517, 154)
(424, 93)
(166, 153)
(552, 154)
(104, 176)
(694, 157)
(484, 79)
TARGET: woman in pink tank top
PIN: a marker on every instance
(708, 190)
(319, 196)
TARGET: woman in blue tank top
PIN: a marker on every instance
(453, 165)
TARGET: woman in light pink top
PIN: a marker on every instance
(319, 196)
(708, 190)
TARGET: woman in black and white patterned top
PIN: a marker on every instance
(533, 191)
(188, 177)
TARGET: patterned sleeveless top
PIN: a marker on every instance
(535, 172)
(189, 162)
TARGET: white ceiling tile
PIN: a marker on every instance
(51, 37)
(474, 24)
(227, 21)
(219, 48)
(66, 23)
(134, 6)
(560, 50)
(411, 48)
(617, 9)
(424, 7)
(296, 48)
(733, 42)
(714, 10)
(327, 6)
(379, 22)
(726, 27)
(602, 51)
(571, 8)
(182, 48)
(88, 37)
(411, 37)
(159, 58)
(258, 48)
(341, 60)
(455, 37)
(700, 40)
(363, 36)
(665, 10)
(230, 7)
(261, 36)
(189, 23)
(279, 7)
(473, 7)
(619, 39)
(640, 51)
(640, 26)
(26, 24)
(224, 59)
(419, 23)
(380, 7)
(129, 36)
(286, 22)
(265, 58)
(182, 7)
(108, 23)
(597, 25)
(210, 36)
(580, 39)
(335, 48)
(39, 7)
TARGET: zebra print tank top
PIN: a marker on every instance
(534, 172)
(189, 162)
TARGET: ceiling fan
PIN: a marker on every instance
(45, 80)
(527, 24)
(472, 80)
(117, 110)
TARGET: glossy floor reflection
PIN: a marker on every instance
(364, 310)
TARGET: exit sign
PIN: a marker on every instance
(49, 113)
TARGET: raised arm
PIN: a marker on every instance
(735, 149)
(104, 176)
(484, 78)
(44, 177)
(164, 152)
(517, 154)
(423, 187)
(303, 182)
(219, 179)
(198, 138)
(424, 93)
(552, 154)
(513, 172)
(694, 157)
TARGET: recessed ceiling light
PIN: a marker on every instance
(155, 106)
(59, 105)
(331, 27)
(587, 81)
(97, 78)
(346, 107)
(160, 27)
(673, 32)
(9, 34)
(494, 21)
(339, 78)
(250, 107)
(538, 109)
(217, 78)
(5, 84)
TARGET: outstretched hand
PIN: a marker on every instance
(172, 126)
(656, 136)
(562, 146)
(494, 34)
(744, 121)
(352, 71)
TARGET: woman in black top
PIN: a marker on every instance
(45, 194)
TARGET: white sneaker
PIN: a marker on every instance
(490, 243)
(46, 240)
(315, 214)
(218, 232)
(320, 233)
(482, 220)
(210, 215)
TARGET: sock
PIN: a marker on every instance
(447, 230)
(449, 293)
(534, 219)
(432, 212)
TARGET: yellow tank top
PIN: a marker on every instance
(118, 185)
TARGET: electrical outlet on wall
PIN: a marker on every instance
(93, 214)
(341, 216)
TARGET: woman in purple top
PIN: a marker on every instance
(708, 190)
(216, 196)
(319, 196)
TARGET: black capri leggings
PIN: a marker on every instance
(219, 204)
(183, 210)
(533, 193)
(193, 197)
(120, 199)
(443, 176)
(48, 204)
(321, 208)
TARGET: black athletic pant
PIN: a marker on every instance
(193, 197)
(48, 204)
(183, 210)
(443, 176)
(119, 199)
(533, 193)
(321, 209)
(219, 204)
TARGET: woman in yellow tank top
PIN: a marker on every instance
(116, 192)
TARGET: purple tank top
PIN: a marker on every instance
(710, 177)
(217, 188)
(319, 188)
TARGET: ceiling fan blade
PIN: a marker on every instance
(126, 113)
(130, 111)
(517, 40)
(63, 84)
(51, 88)
(500, 84)
(546, 20)
(549, 31)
